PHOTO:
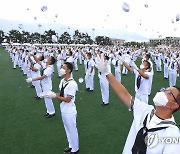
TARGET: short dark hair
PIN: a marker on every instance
(42, 58)
(53, 60)
(107, 58)
(70, 52)
(89, 54)
(148, 55)
(69, 65)
(148, 63)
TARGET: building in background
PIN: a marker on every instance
(117, 41)
(168, 41)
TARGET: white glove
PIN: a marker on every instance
(102, 65)
(134, 66)
(121, 59)
(50, 94)
(42, 95)
(29, 80)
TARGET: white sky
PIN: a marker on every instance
(99, 14)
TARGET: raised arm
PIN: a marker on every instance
(120, 90)
(128, 67)
(36, 59)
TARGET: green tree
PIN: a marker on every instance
(81, 38)
(48, 36)
(2, 37)
(103, 40)
(26, 37)
(35, 37)
(15, 36)
(76, 37)
(65, 38)
(86, 39)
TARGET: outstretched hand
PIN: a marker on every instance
(102, 65)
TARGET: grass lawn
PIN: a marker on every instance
(24, 129)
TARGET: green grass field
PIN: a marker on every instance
(24, 129)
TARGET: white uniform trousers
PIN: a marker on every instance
(80, 59)
(19, 63)
(48, 101)
(15, 62)
(28, 73)
(89, 80)
(69, 121)
(104, 84)
(118, 75)
(172, 78)
(124, 70)
(158, 67)
(166, 71)
(24, 68)
(150, 84)
(142, 97)
(75, 65)
(37, 87)
(85, 68)
(58, 68)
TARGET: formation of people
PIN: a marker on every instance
(38, 62)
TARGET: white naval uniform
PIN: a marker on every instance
(173, 68)
(47, 86)
(104, 85)
(89, 77)
(75, 61)
(16, 58)
(85, 64)
(80, 57)
(143, 91)
(151, 74)
(35, 75)
(59, 64)
(158, 63)
(166, 66)
(69, 113)
(127, 60)
(140, 110)
(117, 67)
(70, 59)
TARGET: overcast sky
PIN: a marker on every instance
(149, 18)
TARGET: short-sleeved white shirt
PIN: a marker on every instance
(36, 74)
(173, 69)
(91, 64)
(70, 59)
(48, 73)
(70, 90)
(140, 110)
(144, 87)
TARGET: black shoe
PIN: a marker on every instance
(87, 89)
(73, 152)
(104, 104)
(90, 90)
(36, 97)
(46, 114)
(50, 115)
(67, 150)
